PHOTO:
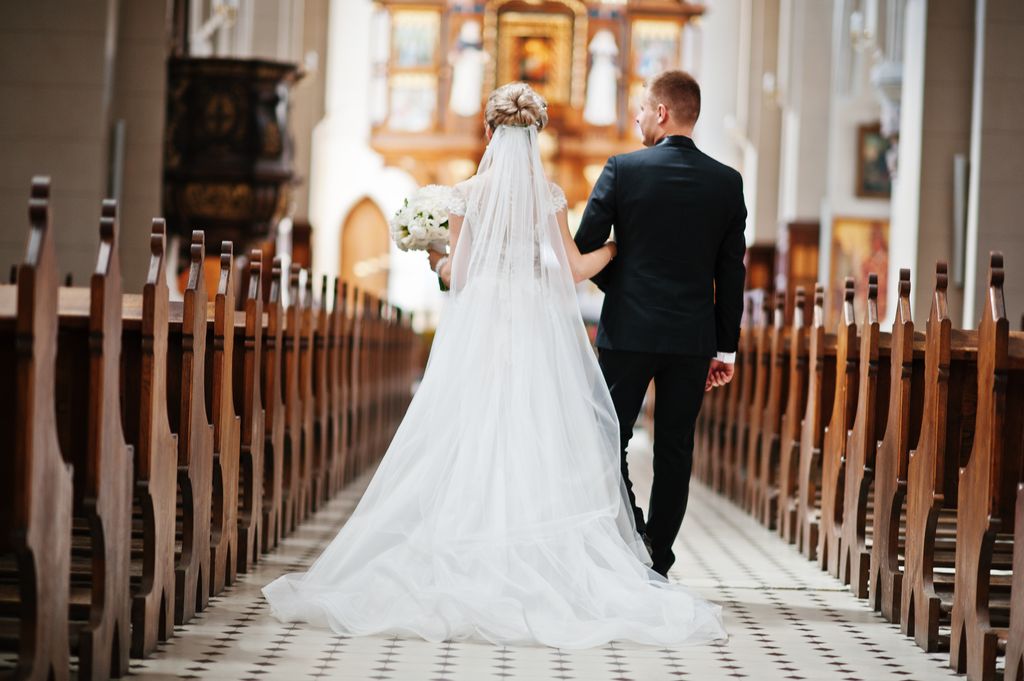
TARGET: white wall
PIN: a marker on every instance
(803, 85)
(344, 169)
(716, 68)
(997, 157)
(57, 90)
(853, 102)
(934, 127)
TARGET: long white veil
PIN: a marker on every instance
(499, 510)
(513, 333)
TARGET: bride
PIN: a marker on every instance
(498, 511)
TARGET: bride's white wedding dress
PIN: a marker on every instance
(499, 511)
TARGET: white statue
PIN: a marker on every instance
(601, 107)
(468, 71)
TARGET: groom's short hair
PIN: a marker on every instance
(680, 94)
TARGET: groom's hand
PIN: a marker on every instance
(719, 373)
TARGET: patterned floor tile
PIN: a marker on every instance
(787, 620)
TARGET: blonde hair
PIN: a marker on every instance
(516, 104)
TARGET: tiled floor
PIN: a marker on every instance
(787, 620)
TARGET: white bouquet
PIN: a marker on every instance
(422, 222)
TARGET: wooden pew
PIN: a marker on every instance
(147, 429)
(987, 494)
(723, 434)
(340, 374)
(358, 432)
(322, 452)
(383, 368)
(292, 480)
(391, 418)
(747, 357)
(844, 408)
(373, 380)
(771, 421)
(384, 373)
(275, 436)
(704, 435)
(306, 404)
(903, 424)
(249, 402)
(368, 380)
(762, 359)
(719, 404)
(35, 527)
(947, 426)
(857, 472)
(187, 371)
(821, 380)
(701, 444)
(349, 387)
(92, 440)
(409, 359)
(332, 392)
(1015, 640)
(789, 437)
(220, 346)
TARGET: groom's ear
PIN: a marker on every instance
(662, 114)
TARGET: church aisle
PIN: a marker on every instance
(787, 620)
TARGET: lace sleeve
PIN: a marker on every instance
(457, 204)
(558, 201)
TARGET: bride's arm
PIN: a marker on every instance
(454, 228)
(583, 265)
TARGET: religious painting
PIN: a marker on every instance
(537, 49)
(873, 177)
(655, 47)
(860, 247)
(413, 102)
(415, 38)
(534, 57)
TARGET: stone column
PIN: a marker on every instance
(140, 105)
(853, 101)
(935, 123)
(803, 87)
(760, 117)
(57, 88)
(715, 67)
(994, 219)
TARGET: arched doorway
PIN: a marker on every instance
(365, 247)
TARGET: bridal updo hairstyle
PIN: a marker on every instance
(516, 104)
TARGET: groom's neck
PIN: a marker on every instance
(685, 131)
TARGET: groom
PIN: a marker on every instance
(674, 294)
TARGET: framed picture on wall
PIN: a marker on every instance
(415, 39)
(536, 48)
(413, 102)
(860, 246)
(873, 178)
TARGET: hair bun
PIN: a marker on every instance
(518, 105)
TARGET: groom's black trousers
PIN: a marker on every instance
(679, 385)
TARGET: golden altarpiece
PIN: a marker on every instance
(434, 61)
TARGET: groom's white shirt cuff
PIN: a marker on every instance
(727, 357)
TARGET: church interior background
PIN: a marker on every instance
(872, 135)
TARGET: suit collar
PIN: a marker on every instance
(677, 141)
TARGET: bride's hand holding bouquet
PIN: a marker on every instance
(421, 224)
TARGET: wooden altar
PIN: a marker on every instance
(436, 60)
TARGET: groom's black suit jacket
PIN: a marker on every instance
(676, 285)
